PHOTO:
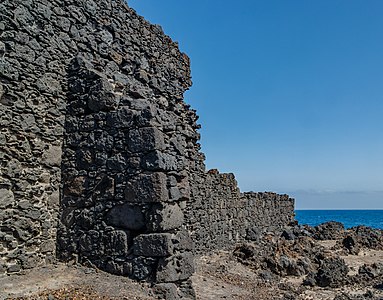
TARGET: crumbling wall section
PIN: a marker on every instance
(221, 216)
(94, 140)
(32, 114)
(125, 185)
(99, 152)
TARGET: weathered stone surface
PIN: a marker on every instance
(329, 231)
(122, 118)
(116, 243)
(147, 188)
(159, 161)
(222, 216)
(145, 139)
(52, 156)
(6, 198)
(126, 216)
(154, 244)
(76, 186)
(175, 268)
(143, 267)
(164, 217)
(332, 272)
(102, 96)
(95, 134)
(90, 242)
(14, 268)
(182, 241)
(119, 268)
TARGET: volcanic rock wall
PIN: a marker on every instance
(221, 216)
(93, 127)
(100, 160)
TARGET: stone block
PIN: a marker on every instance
(14, 268)
(183, 241)
(84, 159)
(184, 187)
(175, 193)
(145, 139)
(52, 156)
(122, 118)
(156, 161)
(117, 163)
(186, 290)
(30, 260)
(75, 186)
(102, 96)
(6, 214)
(154, 244)
(143, 267)
(25, 229)
(9, 69)
(126, 216)
(116, 243)
(164, 217)
(90, 242)
(124, 268)
(104, 187)
(6, 198)
(147, 188)
(175, 268)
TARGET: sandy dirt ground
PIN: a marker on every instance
(218, 276)
(71, 282)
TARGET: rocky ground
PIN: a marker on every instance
(325, 262)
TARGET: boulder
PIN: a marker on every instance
(332, 272)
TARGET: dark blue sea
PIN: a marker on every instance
(349, 218)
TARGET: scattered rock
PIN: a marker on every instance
(329, 231)
(332, 272)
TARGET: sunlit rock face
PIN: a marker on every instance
(100, 160)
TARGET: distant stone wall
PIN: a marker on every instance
(99, 154)
(220, 216)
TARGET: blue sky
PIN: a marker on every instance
(289, 93)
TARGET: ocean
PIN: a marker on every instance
(350, 218)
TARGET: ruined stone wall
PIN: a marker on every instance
(220, 216)
(94, 140)
(32, 113)
(125, 180)
(99, 154)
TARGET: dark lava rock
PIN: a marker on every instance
(329, 231)
(267, 276)
(368, 237)
(280, 256)
(310, 280)
(291, 233)
(288, 234)
(332, 272)
(253, 234)
(371, 271)
(245, 252)
(288, 296)
(284, 265)
(350, 243)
